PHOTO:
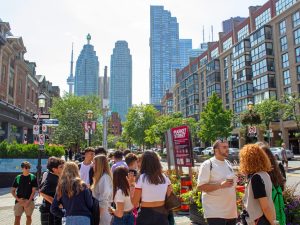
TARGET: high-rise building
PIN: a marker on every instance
(164, 52)
(71, 80)
(229, 24)
(87, 71)
(121, 79)
(104, 85)
(185, 49)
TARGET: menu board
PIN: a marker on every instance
(183, 153)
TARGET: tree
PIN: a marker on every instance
(71, 112)
(268, 111)
(215, 121)
(139, 119)
(292, 103)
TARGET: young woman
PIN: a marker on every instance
(151, 189)
(102, 187)
(258, 202)
(122, 215)
(75, 197)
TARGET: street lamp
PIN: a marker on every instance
(41, 105)
(90, 117)
(250, 106)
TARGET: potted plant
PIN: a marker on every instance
(292, 205)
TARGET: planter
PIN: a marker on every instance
(293, 217)
(195, 215)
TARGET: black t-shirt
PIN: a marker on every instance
(50, 184)
(258, 187)
(25, 185)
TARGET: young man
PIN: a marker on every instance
(86, 165)
(131, 161)
(216, 181)
(55, 166)
(284, 157)
(23, 190)
(118, 158)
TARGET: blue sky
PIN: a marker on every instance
(49, 27)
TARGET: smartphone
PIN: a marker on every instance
(133, 171)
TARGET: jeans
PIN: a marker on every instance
(221, 221)
(78, 220)
(127, 219)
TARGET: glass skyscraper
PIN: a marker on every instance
(164, 52)
(185, 48)
(121, 79)
(87, 71)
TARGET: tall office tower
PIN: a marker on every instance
(87, 71)
(229, 24)
(121, 79)
(185, 47)
(104, 85)
(164, 52)
(71, 80)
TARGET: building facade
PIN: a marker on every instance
(87, 71)
(258, 59)
(104, 86)
(228, 25)
(114, 124)
(164, 52)
(167, 103)
(121, 79)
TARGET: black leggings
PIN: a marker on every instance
(151, 216)
(220, 221)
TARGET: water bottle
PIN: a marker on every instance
(64, 218)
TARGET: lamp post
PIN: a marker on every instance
(250, 108)
(41, 105)
(89, 117)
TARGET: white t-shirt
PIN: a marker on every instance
(84, 173)
(220, 203)
(120, 197)
(152, 192)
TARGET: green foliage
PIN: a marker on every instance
(139, 119)
(215, 121)
(30, 151)
(268, 111)
(250, 117)
(71, 112)
(292, 102)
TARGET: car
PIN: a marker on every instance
(208, 151)
(276, 151)
(197, 150)
(233, 154)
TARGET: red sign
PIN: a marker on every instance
(182, 146)
(89, 125)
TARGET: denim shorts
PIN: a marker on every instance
(127, 219)
(78, 220)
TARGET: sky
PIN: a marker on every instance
(48, 28)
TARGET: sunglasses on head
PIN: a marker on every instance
(222, 139)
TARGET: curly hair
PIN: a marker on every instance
(253, 159)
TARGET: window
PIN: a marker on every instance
(286, 77)
(214, 88)
(283, 44)
(297, 36)
(241, 48)
(285, 60)
(262, 67)
(282, 28)
(261, 51)
(241, 105)
(227, 44)
(214, 53)
(243, 90)
(239, 63)
(298, 72)
(282, 5)
(263, 18)
(226, 74)
(242, 33)
(297, 53)
(226, 85)
(3, 73)
(296, 19)
(32, 95)
(260, 35)
(288, 91)
(262, 96)
(28, 92)
(20, 87)
(263, 83)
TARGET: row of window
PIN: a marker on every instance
(261, 51)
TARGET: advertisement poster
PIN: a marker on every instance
(183, 153)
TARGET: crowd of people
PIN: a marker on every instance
(128, 189)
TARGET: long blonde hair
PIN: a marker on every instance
(101, 166)
(69, 181)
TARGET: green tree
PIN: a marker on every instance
(215, 121)
(290, 110)
(71, 112)
(139, 119)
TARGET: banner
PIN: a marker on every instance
(183, 153)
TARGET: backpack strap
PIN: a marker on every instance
(210, 166)
(32, 177)
(18, 179)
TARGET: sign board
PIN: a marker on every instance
(89, 125)
(252, 130)
(41, 139)
(41, 116)
(183, 153)
(51, 122)
(44, 128)
(36, 129)
(86, 135)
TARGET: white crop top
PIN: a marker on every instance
(152, 192)
(120, 197)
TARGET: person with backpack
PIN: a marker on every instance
(278, 186)
(23, 190)
(217, 184)
(74, 196)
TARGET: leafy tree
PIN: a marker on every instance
(292, 103)
(268, 110)
(215, 121)
(139, 119)
(71, 112)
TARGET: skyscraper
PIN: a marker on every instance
(71, 80)
(229, 24)
(164, 52)
(104, 85)
(87, 71)
(185, 48)
(121, 79)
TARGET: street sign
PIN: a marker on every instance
(41, 139)
(44, 128)
(36, 129)
(86, 135)
(252, 130)
(42, 116)
(51, 122)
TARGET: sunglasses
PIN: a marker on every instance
(26, 167)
